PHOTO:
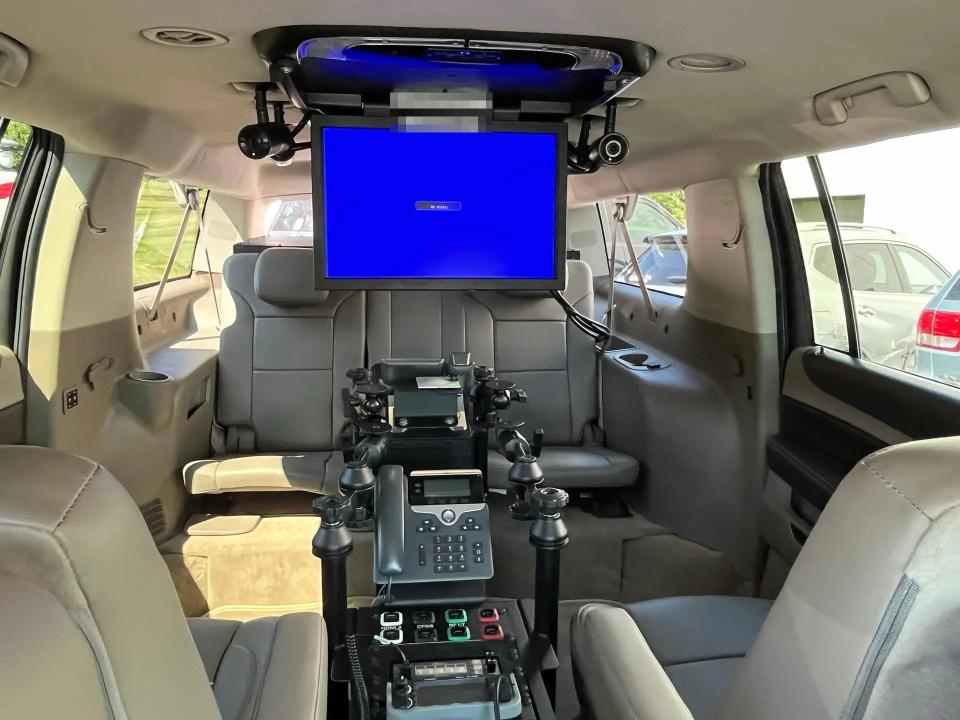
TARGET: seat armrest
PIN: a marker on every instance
(258, 473)
(617, 675)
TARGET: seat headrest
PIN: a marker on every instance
(579, 282)
(284, 277)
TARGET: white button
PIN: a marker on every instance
(448, 516)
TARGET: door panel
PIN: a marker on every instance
(834, 411)
(697, 424)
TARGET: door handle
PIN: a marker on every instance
(866, 311)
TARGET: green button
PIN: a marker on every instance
(458, 633)
(455, 617)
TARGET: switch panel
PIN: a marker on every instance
(71, 398)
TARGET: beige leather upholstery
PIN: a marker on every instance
(263, 473)
(90, 622)
(77, 557)
(868, 623)
(632, 680)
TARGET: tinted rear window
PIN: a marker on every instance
(954, 292)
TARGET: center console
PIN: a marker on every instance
(431, 644)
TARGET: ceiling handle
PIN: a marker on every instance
(906, 88)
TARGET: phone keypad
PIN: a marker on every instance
(452, 554)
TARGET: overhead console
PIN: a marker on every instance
(419, 75)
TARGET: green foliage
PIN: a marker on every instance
(20, 134)
(673, 202)
(156, 222)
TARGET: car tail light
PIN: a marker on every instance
(939, 329)
(6, 190)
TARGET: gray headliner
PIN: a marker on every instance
(108, 91)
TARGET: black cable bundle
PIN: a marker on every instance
(359, 685)
(597, 330)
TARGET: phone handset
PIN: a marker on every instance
(391, 499)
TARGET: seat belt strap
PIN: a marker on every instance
(213, 287)
(154, 310)
(621, 230)
(612, 279)
(240, 439)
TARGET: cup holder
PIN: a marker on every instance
(148, 376)
(637, 359)
(641, 361)
(150, 395)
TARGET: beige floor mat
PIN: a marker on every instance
(245, 566)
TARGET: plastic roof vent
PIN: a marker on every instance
(184, 37)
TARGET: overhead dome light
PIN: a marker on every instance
(705, 63)
(184, 37)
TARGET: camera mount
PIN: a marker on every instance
(611, 148)
(271, 138)
(356, 70)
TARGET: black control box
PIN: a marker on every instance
(440, 656)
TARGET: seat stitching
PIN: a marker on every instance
(889, 483)
(737, 656)
(76, 497)
(224, 654)
(266, 668)
(91, 631)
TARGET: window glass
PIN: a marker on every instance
(826, 297)
(290, 221)
(907, 184)
(658, 233)
(871, 268)
(157, 220)
(921, 274)
(892, 200)
(954, 290)
(13, 144)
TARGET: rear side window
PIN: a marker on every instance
(954, 293)
(921, 273)
(13, 144)
(658, 233)
(826, 296)
(160, 210)
(871, 268)
(884, 281)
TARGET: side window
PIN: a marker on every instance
(160, 210)
(826, 296)
(658, 234)
(921, 274)
(901, 260)
(871, 268)
(14, 138)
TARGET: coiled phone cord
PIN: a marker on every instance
(356, 670)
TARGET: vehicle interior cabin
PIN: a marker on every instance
(463, 361)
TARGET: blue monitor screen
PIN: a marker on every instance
(439, 209)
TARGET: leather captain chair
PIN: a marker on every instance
(866, 626)
(90, 625)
